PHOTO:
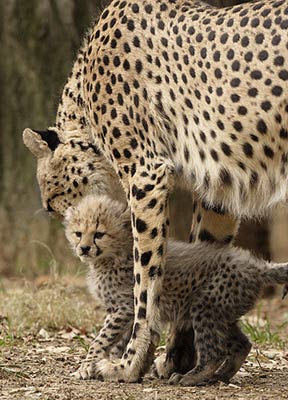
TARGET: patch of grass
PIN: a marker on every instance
(82, 342)
(53, 307)
(260, 331)
(163, 339)
(262, 334)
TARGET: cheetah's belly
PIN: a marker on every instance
(208, 98)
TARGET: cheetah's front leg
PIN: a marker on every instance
(149, 188)
(115, 325)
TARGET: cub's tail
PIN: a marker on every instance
(277, 273)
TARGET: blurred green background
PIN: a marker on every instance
(39, 41)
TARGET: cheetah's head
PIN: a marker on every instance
(68, 168)
(98, 227)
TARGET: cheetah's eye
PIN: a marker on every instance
(99, 235)
(78, 234)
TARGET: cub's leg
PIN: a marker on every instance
(180, 353)
(239, 347)
(210, 342)
(208, 225)
(118, 350)
(115, 325)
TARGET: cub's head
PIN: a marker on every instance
(68, 168)
(98, 227)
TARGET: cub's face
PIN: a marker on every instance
(98, 227)
(89, 238)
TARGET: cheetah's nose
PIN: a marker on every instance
(85, 249)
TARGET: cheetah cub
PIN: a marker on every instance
(205, 287)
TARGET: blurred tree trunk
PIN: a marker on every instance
(39, 40)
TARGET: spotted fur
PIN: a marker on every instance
(206, 287)
(175, 93)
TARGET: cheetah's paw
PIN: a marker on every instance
(110, 370)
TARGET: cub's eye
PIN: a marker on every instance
(78, 234)
(99, 235)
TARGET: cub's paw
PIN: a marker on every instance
(175, 379)
(189, 379)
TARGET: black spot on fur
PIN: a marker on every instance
(141, 225)
(145, 258)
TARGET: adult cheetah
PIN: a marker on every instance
(206, 287)
(173, 93)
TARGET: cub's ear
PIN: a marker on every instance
(69, 213)
(126, 218)
(41, 143)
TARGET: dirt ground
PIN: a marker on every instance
(38, 359)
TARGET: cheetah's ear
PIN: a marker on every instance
(41, 143)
